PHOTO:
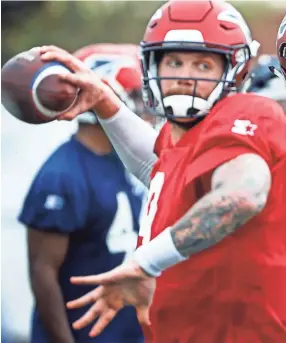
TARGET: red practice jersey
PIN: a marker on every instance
(235, 291)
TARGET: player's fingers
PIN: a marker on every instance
(70, 114)
(81, 80)
(86, 280)
(73, 113)
(104, 278)
(36, 49)
(67, 59)
(80, 106)
(95, 310)
(46, 48)
(67, 116)
(124, 271)
(143, 315)
(104, 319)
(120, 273)
(86, 299)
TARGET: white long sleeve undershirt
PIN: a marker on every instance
(133, 140)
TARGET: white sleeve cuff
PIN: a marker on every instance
(158, 254)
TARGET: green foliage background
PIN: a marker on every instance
(73, 24)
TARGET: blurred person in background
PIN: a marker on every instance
(82, 212)
(211, 262)
(263, 82)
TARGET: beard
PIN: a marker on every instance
(182, 91)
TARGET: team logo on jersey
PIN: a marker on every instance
(54, 202)
(244, 127)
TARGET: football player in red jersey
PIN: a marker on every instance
(281, 50)
(212, 266)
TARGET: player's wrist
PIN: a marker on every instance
(120, 113)
(108, 103)
(139, 271)
(158, 254)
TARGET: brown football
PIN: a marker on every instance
(31, 90)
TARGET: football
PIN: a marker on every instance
(32, 91)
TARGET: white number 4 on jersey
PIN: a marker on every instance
(121, 236)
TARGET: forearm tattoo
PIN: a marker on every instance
(239, 192)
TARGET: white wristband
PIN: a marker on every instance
(158, 254)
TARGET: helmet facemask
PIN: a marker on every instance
(282, 54)
(181, 107)
(281, 51)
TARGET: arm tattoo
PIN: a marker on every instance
(239, 191)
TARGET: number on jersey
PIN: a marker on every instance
(151, 206)
(121, 236)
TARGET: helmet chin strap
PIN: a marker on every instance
(184, 105)
(180, 105)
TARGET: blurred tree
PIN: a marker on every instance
(73, 24)
(12, 10)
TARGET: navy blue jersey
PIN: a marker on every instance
(93, 200)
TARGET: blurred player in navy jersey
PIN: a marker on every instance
(82, 212)
(263, 82)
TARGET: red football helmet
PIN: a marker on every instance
(207, 26)
(281, 46)
(119, 66)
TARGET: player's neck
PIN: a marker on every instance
(94, 138)
(177, 133)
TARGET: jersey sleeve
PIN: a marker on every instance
(55, 202)
(257, 127)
